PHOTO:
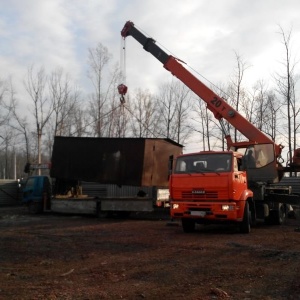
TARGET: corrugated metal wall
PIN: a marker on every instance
(9, 193)
(294, 182)
(94, 189)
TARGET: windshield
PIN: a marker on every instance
(30, 183)
(200, 163)
(258, 156)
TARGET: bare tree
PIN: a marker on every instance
(42, 106)
(296, 110)
(236, 90)
(80, 122)
(263, 108)
(286, 88)
(20, 124)
(183, 98)
(144, 114)
(167, 108)
(255, 105)
(272, 110)
(64, 99)
(203, 121)
(10, 131)
(5, 105)
(7, 137)
(174, 102)
(98, 60)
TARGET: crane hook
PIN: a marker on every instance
(122, 89)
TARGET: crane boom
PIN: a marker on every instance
(217, 105)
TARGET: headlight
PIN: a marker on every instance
(227, 207)
(175, 206)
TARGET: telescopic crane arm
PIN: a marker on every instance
(219, 107)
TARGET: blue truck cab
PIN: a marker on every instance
(37, 193)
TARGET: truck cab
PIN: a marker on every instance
(210, 187)
(37, 193)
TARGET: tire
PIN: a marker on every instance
(252, 213)
(279, 216)
(188, 225)
(245, 225)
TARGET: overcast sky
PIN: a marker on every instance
(205, 34)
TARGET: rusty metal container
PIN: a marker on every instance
(121, 161)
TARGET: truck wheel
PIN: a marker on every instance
(252, 213)
(278, 217)
(245, 225)
(188, 225)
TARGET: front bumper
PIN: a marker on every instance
(221, 210)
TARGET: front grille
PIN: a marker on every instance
(206, 195)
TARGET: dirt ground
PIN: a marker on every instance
(55, 256)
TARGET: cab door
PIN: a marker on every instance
(239, 181)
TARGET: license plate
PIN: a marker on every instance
(198, 213)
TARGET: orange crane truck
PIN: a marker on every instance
(239, 185)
